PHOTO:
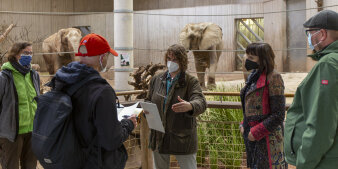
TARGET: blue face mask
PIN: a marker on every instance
(312, 47)
(25, 60)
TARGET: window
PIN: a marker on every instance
(85, 30)
(248, 30)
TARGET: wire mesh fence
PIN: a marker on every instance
(133, 146)
(220, 142)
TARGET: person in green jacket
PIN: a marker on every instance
(19, 85)
(310, 136)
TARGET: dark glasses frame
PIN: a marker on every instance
(309, 30)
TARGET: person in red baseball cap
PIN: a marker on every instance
(94, 108)
(95, 47)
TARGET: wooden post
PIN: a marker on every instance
(147, 157)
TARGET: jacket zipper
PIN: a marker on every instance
(292, 149)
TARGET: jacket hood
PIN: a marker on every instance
(332, 48)
(74, 72)
(8, 66)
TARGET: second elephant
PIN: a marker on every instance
(204, 36)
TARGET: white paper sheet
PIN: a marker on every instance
(128, 111)
(153, 118)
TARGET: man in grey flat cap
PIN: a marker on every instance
(311, 138)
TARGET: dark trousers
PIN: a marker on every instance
(18, 153)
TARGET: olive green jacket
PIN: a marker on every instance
(180, 136)
(310, 136)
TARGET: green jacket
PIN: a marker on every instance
(311, 139)
(180, 136)
(25, 95)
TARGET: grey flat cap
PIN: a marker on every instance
(325, 19)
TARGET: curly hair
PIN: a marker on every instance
(16, 49)
(180, 54)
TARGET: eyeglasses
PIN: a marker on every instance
(173, 60)
(307, 32)
(27, 53)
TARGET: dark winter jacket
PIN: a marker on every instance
(96, 116)
(9, 106)
(180, 136)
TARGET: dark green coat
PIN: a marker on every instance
(180, 136)
(311, 139)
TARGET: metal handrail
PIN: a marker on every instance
(207, 93)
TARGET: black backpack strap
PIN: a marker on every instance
(118, 105)
(70, 91)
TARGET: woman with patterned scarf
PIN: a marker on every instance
(263, 104)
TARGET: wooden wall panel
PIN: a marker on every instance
(163, 31)
(333, 3)
(102, 24)
(38, 26)
(154, 32)
(93, 5)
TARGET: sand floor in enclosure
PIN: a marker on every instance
(291, 82)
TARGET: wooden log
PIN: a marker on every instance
(211, 104)
(147, 156)
(3, 36)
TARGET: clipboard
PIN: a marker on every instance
(153, 118)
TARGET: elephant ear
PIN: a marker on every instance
(192, 33)
(184, 36)
(58, 39)
(64, 41)
(212, 35)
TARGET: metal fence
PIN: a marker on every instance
(220, 144)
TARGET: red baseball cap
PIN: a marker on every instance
(95, 45)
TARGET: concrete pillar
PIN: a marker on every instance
(275, 30)
(123, 43)
(309, 13)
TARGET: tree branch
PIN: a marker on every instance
(3, 36)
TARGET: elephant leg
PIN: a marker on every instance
(213, 67)
(49, 63)
(200, 66)
(201, 74)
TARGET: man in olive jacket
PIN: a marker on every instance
(179, 99)
(311, 139)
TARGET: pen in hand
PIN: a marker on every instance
(127, 116)
(133, 118)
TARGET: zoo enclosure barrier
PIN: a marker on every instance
(220, 142)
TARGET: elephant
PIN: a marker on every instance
(203, 36)
(65, 40)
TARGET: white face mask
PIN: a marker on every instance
(172, 66)
(103, 69)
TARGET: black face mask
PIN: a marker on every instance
(249, 65)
